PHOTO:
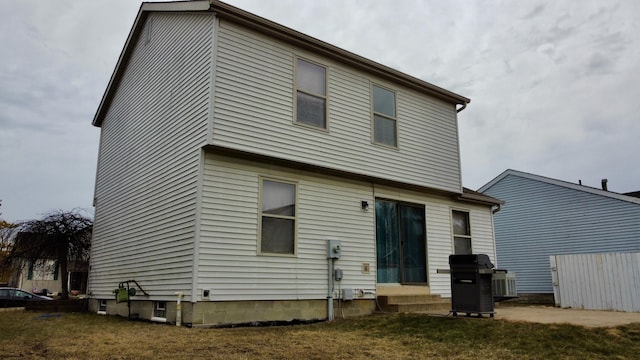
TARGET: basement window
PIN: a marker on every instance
(102, 307)
(160, 309)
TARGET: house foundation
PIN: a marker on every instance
(218, 313)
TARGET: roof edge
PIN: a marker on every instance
(297, 38)
(125, 54)
(562, 183)
(191, 5)
(271, 28)
(469, 195)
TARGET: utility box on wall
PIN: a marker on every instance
(347, 294)
(334, 249)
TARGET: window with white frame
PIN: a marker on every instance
(384, 116)
(160, 309)
(278, 217)
(102, 306)
(461, 232)
(311, 94)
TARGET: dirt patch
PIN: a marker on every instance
(554, 315)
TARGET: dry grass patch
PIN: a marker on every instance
(87, 336)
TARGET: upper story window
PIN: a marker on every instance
(461, 232)
(384, 117)
(278, 218)
(311, 94)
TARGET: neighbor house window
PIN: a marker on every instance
(43, 270)
(160, 309)
(102, 306)
(461, 232)
(311, 94)
(384, 117)
(278, 217)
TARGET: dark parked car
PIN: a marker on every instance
(12, 297)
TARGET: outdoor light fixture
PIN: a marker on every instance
(364, 205)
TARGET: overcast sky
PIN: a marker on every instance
(553, 84)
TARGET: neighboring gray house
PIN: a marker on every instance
(232, 149)
(543, 216)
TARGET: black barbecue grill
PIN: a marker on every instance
(471, 291)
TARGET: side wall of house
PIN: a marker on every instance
(329, 208)
(254, 112)
(149, 160)
(541, 219)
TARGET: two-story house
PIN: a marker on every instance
(234, 149)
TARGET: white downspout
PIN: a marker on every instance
(179, 309)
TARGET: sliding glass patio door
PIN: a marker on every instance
(400, 243)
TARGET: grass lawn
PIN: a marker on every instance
(33, 335)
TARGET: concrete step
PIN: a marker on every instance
(408, 299)
(413, 303)
(419, 307)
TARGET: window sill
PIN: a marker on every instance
(278, 255)
(311, 127)
(396, 148)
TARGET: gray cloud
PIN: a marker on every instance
(553, 85)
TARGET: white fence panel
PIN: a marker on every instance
(605, 281)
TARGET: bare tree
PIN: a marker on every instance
(6, 232)
(7, 272)
(61, 236)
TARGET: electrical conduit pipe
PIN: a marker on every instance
(330, 292)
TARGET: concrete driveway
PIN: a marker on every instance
(553, 315)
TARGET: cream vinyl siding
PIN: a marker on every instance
(328, 208)
(439, 231)
(149, 160)
(482, 229)
(254, 112)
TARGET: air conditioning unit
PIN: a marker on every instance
(503, 284)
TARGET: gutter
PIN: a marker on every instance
(471, 196)
(498, 208)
